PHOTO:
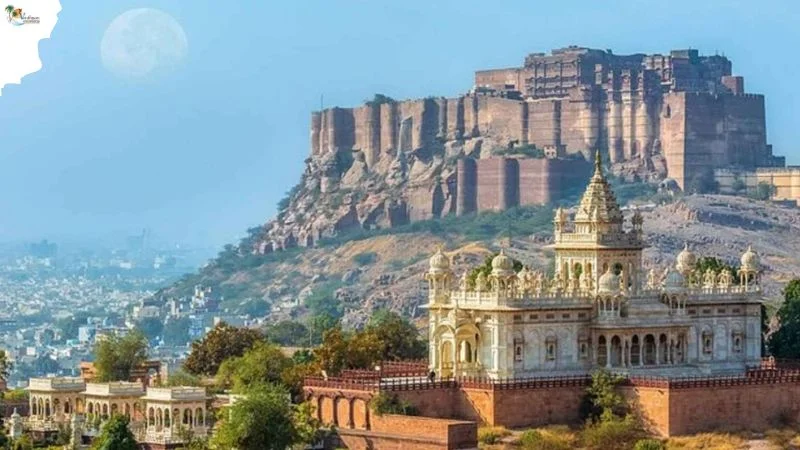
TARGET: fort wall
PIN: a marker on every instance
(497, 184)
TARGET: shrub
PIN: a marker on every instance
(366, 258)
(384, 403)
(547, 439)
(611, 433)
(492, 435)
(649, 444)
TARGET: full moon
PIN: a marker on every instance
(143, 43)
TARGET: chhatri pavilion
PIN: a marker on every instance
(599, 309)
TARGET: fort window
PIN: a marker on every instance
(581, 315)
(517, 318)
(534, 317)
(649, 349)
(550, 348)
(736, 310)
(692, 311)
(737, 342)
(635, 351)
(565, 316)
(550, 316)
(602, 355)
(708, 342)
(721, 310)
(706, 311)
(667, 112)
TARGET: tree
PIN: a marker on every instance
(69, 325)
(221, 343)
(341, 350)
(115, 435)
(176, 331)
(116, 356)
(264, 420)
(602, 400)
(399, 338)
(264, 363)
(785, 342)
(486, 269)
(151, 327)
(717, 266)
(702, 183)
(182, 378)
(287, 333)
(764, 191)
(5, 366)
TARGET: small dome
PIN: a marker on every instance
(502, 264)
(750, 260)
(685, 260)
(439, 262)
(608, 283)
(674, 281)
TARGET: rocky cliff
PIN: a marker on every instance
(388, 163)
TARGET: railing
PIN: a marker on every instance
(409, 368)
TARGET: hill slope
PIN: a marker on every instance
(384, 269)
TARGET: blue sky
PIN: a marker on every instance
(203, 154)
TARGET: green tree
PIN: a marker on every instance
(115, 435)
(182, 378)
(116, 356)
(785, 342)
(399, 338)
(287, 333)
(176, 331)
(221, 343)
(716, 265)
(486, 268)
(264, 420)
(69, 325)
(5, 365)
(151, 327)
(764, 191)
(341, 350)
(602, 400)
(264, 363)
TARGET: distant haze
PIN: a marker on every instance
(200, 154)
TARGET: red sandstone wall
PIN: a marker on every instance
(516, 408)
(534, 181)
(673, 134)
(747, 407)
(652, 405)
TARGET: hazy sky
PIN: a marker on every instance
(202, 154)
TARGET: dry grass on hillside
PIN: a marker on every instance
(707, 441)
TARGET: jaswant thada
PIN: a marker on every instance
(599, 310)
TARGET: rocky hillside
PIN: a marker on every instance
(389, 163)
(362, 273)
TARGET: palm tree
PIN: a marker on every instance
(9, 10)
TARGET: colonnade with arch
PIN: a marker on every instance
(639, 349)
(56, 407)
(166, 416)
(104, 407)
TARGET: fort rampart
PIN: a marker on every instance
(757, 400)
